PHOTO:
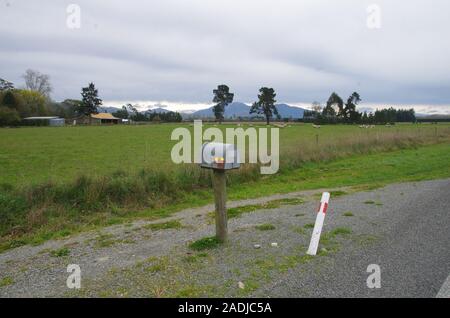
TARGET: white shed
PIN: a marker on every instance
(44, 121)
(57, 122)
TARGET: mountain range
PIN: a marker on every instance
(233, 110)
(237, 109)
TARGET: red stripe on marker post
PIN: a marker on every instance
(325, 207)
(315, 238)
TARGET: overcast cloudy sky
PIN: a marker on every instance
(174, 52)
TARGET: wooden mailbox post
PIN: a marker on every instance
(220, 157)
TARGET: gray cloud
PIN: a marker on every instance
(178, 50)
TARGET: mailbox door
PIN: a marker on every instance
(219, 156)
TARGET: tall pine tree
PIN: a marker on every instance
(90, 101)
(222, 97)
(350, 114)
(265, 104)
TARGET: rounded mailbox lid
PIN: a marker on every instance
(217, 155)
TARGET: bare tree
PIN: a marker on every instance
(36, 81)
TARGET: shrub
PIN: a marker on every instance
(9, 117)
(13, 209)
(9, 99)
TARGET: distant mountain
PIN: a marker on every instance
(237, 109)
(287, 111)
(233, 110)
(158, 110)
(108, 109)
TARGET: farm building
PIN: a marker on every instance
(105, 118)
(44, 121)
(96, 119)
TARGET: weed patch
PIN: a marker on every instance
(265, 227)
(156, 268)
(6, 281)
(205, 244)
(164, 226)
(238, 211)
(341, 231)
(194, 258)
(104, 240)
(60, 252)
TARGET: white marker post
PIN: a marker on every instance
(314, 244)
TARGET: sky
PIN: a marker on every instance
(173, 53)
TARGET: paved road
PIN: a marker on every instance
(413, 252)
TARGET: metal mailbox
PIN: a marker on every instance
(220, 156)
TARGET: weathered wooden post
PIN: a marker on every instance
(220, 198)
(220, 158)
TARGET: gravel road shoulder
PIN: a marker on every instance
(138, 260)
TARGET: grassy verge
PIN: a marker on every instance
(55, 211)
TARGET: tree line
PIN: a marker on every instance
(33, 100)
(337, 111)
(130, 112)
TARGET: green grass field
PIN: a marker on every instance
(36, 155)
(59, 181)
